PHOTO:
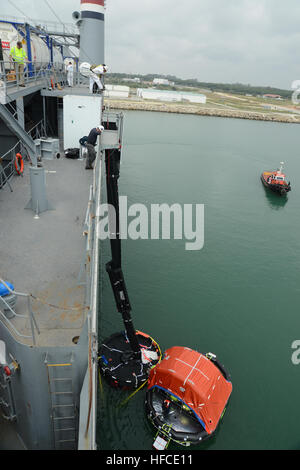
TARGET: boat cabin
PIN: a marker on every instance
(277, 178)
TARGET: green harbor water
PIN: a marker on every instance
(238, 297)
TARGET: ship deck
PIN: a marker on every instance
(44, 256)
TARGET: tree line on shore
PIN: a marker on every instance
(236, 88)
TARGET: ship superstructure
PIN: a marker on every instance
(49, 258)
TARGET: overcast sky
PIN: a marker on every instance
(246, 41)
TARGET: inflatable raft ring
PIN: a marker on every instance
(119, 365)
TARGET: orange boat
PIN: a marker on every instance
(276, 181)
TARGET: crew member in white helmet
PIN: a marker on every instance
(97, 71)
(70, 74)
(91, 144)
(94, 72)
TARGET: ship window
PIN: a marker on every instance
(279, 178)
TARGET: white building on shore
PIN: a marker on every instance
(166, 95)
(134, 80)
(162, 81)
(116, 91)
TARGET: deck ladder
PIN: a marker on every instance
(63, 407)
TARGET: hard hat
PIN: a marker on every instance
(105, 68)
(100, 127)
(84, 69)
(84, 65)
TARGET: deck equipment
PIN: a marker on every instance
(125, 358)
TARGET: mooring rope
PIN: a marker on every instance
(130, 396)
(57, 306)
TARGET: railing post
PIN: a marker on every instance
(31, 321)
(29, 54)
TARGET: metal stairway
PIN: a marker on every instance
(63, 406)
(18, 130)
(38, 202)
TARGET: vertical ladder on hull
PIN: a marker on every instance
(63, 406)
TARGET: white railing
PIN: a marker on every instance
(42, 73)
(30, 315)
(52, 76)
(87, 431)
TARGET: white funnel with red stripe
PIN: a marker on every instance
(92, 13)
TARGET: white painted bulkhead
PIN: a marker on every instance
(80, 115)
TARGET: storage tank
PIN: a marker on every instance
(39, 49)
(57, 57)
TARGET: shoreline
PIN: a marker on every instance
(154, 106)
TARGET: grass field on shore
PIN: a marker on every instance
(252, 103)
(218, 104)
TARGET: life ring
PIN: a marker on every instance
(19, 164)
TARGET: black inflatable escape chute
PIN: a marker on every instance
(125, 358)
